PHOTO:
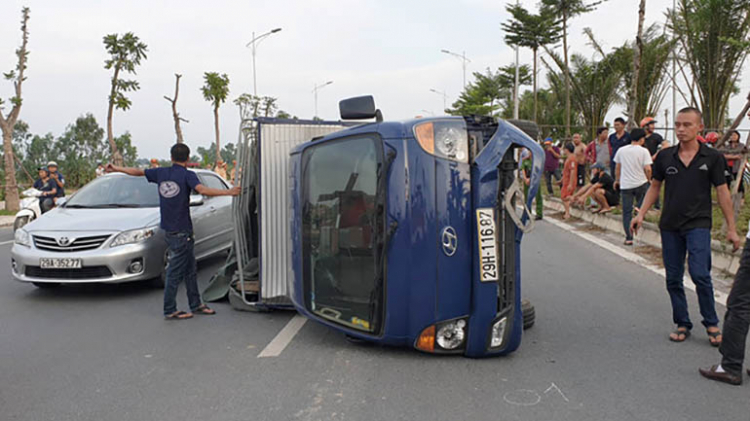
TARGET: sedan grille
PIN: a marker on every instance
(79, 244)
(91, 272)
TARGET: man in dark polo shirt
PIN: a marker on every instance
(688, 170)
(175, 185)
(617, 140)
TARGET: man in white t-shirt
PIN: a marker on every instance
(632, 172)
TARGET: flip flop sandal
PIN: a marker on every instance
(679, 332)
(715, 335)
(205, 310)
(605, 211)
(628, 242)
(178, 315)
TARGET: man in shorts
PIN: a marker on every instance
(601, 189)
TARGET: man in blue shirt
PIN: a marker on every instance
(45, 185)
(175, 185)
(617, 140)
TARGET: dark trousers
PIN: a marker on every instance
(697, 244)
(548, 178)
(737, 318)
(181, 267)
(631, 197)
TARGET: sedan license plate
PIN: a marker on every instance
(61, 263)
(488, 266)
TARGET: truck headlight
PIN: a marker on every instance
(498, 332)
(444, 336)
(22, 238)
(444, 138)
(133, 236)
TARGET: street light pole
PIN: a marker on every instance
(315, 92)
(444, 95)
(461, 57)
(253, 45)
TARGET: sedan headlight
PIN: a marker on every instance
(133, 236)
(22, 238)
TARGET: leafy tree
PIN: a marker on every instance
(125, 54)
(596, 85)
(208, 155)
(79, 149)
(129, 152)
(490, 92)
(8, 121)
(714, 40)
(531, 31)
(565, 10)
(550, 111)
(215, 90)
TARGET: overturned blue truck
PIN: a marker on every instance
(399, 233)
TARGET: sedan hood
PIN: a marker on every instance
(63, 219)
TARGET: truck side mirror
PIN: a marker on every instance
(359, 108)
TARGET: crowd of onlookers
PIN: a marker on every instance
(614, 169)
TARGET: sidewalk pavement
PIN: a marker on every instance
(722, 257)
(6, 221)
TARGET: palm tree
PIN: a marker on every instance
(713, 36)
(565, 10)
(531, 31)
(215, 90)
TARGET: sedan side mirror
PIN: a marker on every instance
(196, 199)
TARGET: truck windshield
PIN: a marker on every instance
(341, 276)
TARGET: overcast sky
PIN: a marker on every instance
(390, 49)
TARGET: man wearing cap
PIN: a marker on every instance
(601, 189)
(154, 163)
(632, 172)
(551, 164)
(654, 142)
(57, 179)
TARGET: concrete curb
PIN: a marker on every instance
(722, 257)
(7, 221)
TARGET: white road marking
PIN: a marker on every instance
(721, 298)
(6, 242)
(284, 337)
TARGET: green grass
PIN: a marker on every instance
(4, 212)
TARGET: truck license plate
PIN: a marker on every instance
(61, 263)
(488, 266)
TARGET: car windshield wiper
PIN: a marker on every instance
(104, 206)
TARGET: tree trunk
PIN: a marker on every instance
(535, 89)
(11, 188)
(632, 112)
(567, 75)
(216, 129)
(116, 156)
(175, 114)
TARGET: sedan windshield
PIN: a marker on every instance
(116, 191)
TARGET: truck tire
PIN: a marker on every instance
(526, 126)
(529, 314)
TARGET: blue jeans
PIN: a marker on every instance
(181, 267)
(629, 198)
(697, 243)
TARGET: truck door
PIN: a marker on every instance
(496, 319)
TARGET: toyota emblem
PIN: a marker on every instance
(63, 241)
(450, 241)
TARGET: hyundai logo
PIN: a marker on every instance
(63, 241)
(450, 241)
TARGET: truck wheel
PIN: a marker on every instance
(20, 222)
(529, 314)
(526, 126)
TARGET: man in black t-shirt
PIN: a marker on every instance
(47, 186)
(688, 171)
(601, 189)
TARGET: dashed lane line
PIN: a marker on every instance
(283, 338)
(6, 242)
(721, 297)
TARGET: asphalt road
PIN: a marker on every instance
(598, 351)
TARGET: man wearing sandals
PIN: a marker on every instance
(688, 170)
(175, 185)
